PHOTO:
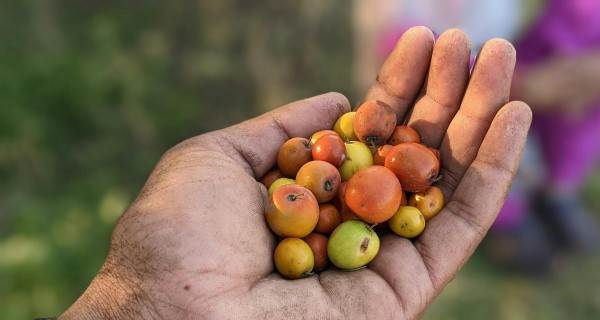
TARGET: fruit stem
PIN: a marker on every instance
(294, 197)
(371, 141)
(308, 274)
(436, 179)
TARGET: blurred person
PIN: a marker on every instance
(558, 74)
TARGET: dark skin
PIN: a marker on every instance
(194, 244)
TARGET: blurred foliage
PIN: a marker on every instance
(93, 92)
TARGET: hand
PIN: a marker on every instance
(195, 244)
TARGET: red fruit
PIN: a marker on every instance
(330, 148)
(321, 178)
(414, 164)
(374, 122)
(436, 152)
(374, 194)
(403, 134)
(380, 153)
(292, 155)
(270, 177)
(340, 203)
(318, 245)
(329, 218)
(348, 215)
(403, 201)
(430, 202)
(317, 135)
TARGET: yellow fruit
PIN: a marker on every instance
(430, 202)
(344, 126)
(293, 258)
(407, 222)
(280, 182)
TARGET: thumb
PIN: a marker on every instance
(254, 143)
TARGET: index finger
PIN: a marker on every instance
(403, 72)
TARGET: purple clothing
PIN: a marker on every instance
(513, 212)
(570, 147)
(563, 27)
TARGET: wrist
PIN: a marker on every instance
(109, 296)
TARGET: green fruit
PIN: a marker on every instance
(352, 245)
(280, 182)
(358, 156)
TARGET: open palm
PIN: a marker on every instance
(195, 244)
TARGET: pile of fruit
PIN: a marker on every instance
(328, 193)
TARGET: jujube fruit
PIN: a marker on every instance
(352, 244)
(348, 215)
(329, 218)
(374, 122)
(292, 211)
(358, 156)
(408, 222)
(330, 148)
(270, 177)
(293, 258)
(292, 155)
(315, 136)
(340, 203)
(414, 164)
(321, 178)
(318, 245)
(280, 182)
(430, 202)
(404, 134)
(373, 194)
(380, 153)
(344, 126)
(332, 185)
(436, 152)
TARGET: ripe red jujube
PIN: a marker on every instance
(374, 122)
(415, 165)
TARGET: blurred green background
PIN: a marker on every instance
(92, 93)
